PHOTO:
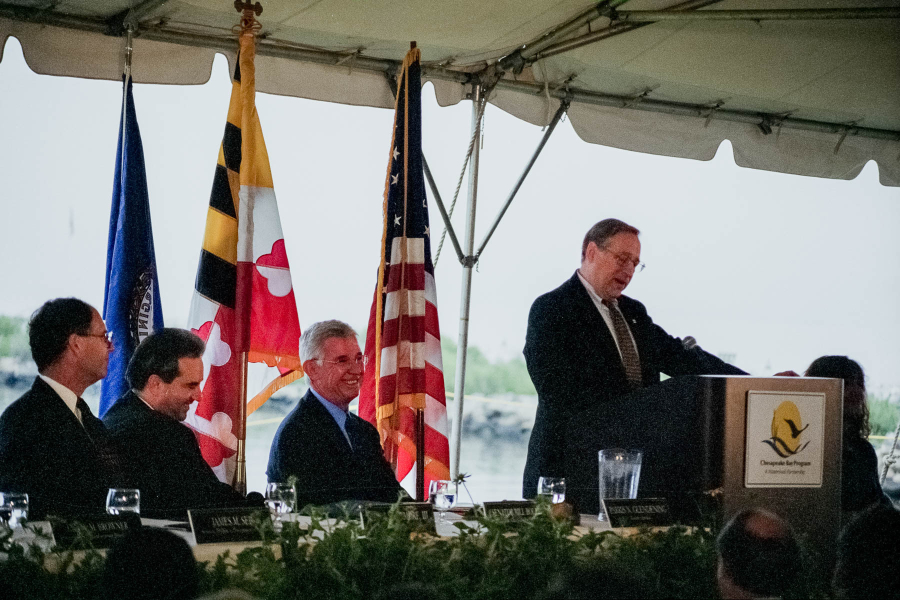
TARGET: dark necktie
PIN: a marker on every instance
(630, 359)
(106, 455)
(353, 432)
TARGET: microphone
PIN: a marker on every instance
(689, 342)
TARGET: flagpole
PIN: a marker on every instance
(466, 292)
(240, 473)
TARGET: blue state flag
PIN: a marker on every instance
(131, 307)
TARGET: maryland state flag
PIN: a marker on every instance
(244, 299)
(404, 371)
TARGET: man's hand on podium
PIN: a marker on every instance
(786, 374)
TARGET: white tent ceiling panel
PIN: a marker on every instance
(784, 151)
(648, 89)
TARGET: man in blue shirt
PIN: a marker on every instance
(333, 453)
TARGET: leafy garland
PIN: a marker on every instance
(497, 559)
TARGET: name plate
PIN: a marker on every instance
(634, 513)
(97, 531)
(219, 525)
(418, 514)
(513, 510)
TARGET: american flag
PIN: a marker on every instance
(403, 342)
(243, 305)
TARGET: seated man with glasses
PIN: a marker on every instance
(334, 454)
(51, 446)
(588, 345)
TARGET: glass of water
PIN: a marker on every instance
(15, 507)
(552, 488)
(442, 494)
(620, 473)
(121, 501)
(280, 499)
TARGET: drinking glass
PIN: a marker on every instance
(280, 498)
(620, 473)
(443, 495)
(15, 505)
(553, 488)
(120, 501)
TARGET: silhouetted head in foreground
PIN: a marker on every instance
(151, 564)
(868, 561)
(758, 556)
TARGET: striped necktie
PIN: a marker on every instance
(630, 359)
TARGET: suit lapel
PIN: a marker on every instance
(602, 346)
(327, 428)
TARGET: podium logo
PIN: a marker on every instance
(787, 430)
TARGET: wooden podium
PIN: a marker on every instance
(767, 442)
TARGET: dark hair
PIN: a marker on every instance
(52, 324)
(765, 565)
(602, 231)
(868, 556)
(159, 354)
(856, 409)
(150, 563)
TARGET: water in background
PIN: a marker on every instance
(494, 443)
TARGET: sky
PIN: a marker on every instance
(771, 269)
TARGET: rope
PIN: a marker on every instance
(462, 174)
(891, 458)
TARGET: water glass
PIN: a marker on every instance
(620, 472)
(442, 494)
(15, 507)
(280, 498)
(553, 488)
(120, 501)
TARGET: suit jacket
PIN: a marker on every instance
(574, 363)
(46, 453)
(310, 446)
(164, 461)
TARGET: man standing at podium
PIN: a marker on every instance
(588, 344)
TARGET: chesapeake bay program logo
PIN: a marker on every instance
(787, 430)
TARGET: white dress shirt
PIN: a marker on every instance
(67, 395)
(604, 312)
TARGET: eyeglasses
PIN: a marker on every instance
(624, 260)
(345, 362)
(106, 335)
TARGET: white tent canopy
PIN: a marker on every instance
(812, 90)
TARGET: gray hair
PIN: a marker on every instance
(314, 337)
(602, 231)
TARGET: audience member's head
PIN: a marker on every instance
(69, 343)
(166, 370)
(150, 564)
(856, 410)
(758, 556)
(868, 556)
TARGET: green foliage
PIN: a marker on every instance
(484, 377)
(14, 338)
(883, 416)
(336, 561)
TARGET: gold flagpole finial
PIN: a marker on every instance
(249, 12)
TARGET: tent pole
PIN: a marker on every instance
(466, 292)
(563, 107)
(440, 204)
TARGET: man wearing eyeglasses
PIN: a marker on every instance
(51, 446)
(334, 454)
(588, 344)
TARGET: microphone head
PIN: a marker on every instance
(689, 342)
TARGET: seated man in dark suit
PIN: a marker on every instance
(162, 454)
(51, 446)
(334, 454)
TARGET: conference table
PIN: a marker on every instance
(38, 533)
